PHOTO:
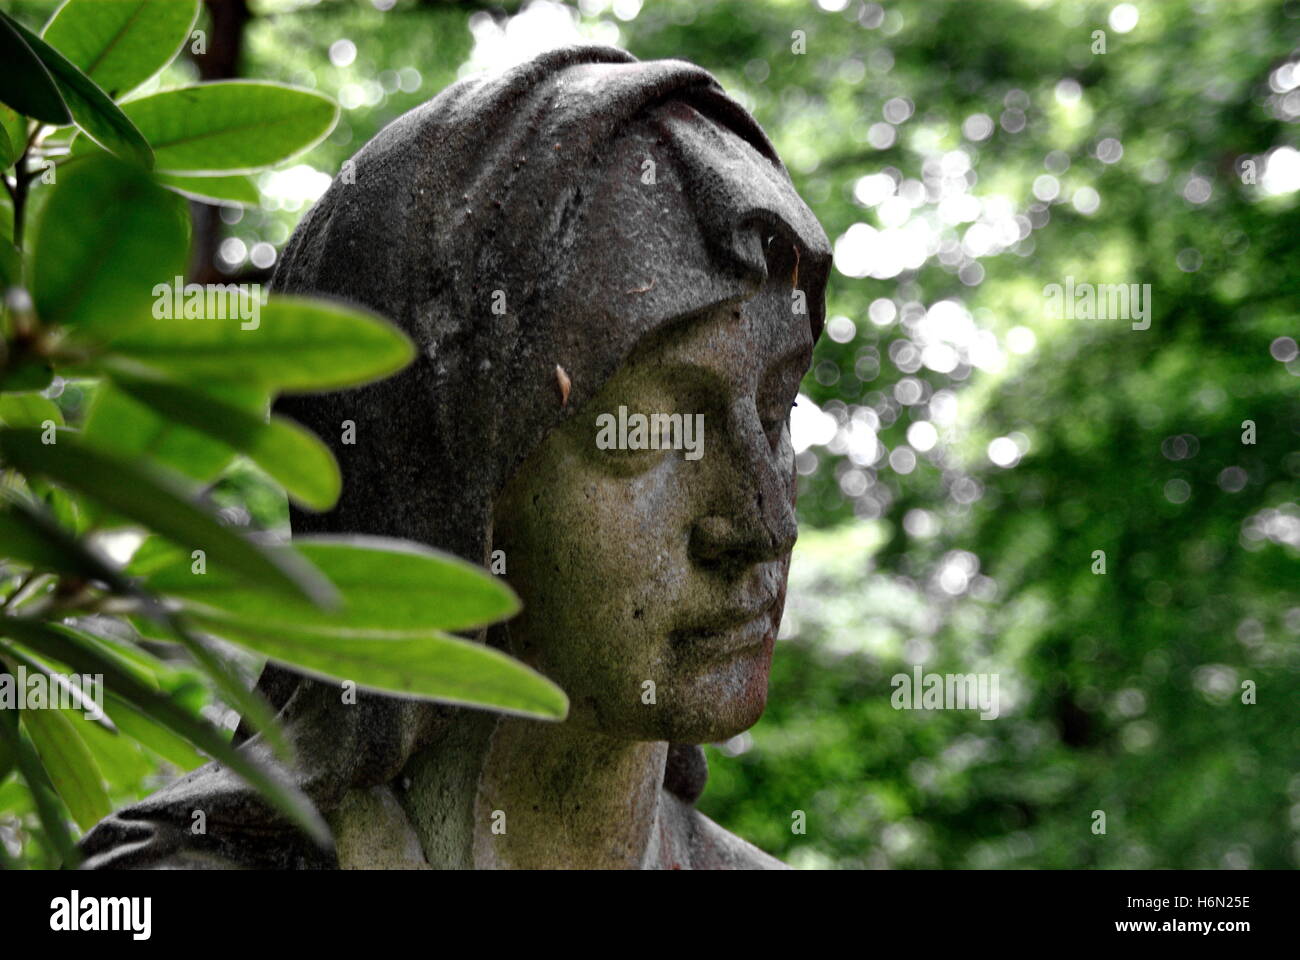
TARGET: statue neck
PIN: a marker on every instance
(505, 792)
(551, 795)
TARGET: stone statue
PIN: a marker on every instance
(583, 239)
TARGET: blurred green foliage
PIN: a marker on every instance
(1120, 692)
(963, 156)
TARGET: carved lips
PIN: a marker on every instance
(731, 633)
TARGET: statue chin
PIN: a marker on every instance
(710, 705)
(727, 700)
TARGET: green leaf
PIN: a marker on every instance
(29, 373)
(121, 759)
(62, 506)
(390, 588)
(123, 425)
(25, 83)
(249, 704)
(44, 796)
(14, 126)
(298, 345)
(436, 665)
(158, 738)
(82, 702)
(120, 44)
(25, 546)
(31, 537)
(294, 457)
(8, 760)
(238, 189)
(62, 643)
(155, 502)
(11, 268)
(108, 235)
(147, 669)
(28, 410)
(93, 110)
(235, 126)
(70, 765)
(396, 597)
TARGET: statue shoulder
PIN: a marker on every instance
(695, 842)
(166, 832)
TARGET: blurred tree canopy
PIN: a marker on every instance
(964, 453)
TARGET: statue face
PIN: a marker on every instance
(653, 579)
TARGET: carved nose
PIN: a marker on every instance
(718, 541)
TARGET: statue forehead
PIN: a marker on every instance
(676, 218)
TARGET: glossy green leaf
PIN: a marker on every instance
(14, 126)
(25, 83)
(249, 704)
(436, 665)
(63, 507)
(28, 410)
(151, 734)
(93, 110)
(83, 703)
(156, 502)
(108, 235)
(120, 44)
(123, 425)
(66, 645)
(235, 126)
(293, 457)
(121, 759)
(389, 588)
(297, 345)
(44, 797)
(396, 596)
(70, 766)
(386, 635)
(144, 666)
(237, 189)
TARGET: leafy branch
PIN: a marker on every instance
(177, 397)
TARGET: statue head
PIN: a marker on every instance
(579, 244)
(614, 291)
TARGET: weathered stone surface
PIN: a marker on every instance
(529, 189)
